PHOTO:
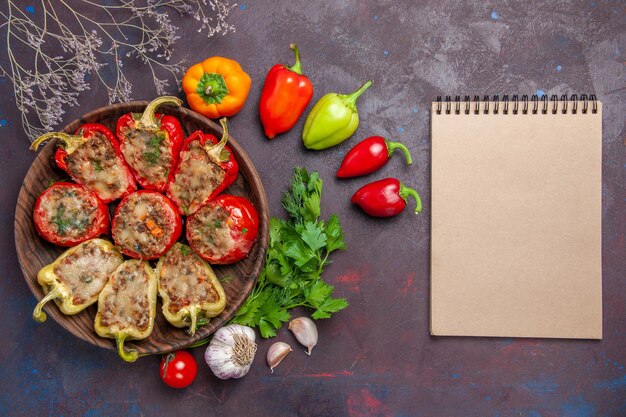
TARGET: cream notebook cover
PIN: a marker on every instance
(516, 218)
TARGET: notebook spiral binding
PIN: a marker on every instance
(468, 103)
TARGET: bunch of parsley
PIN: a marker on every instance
(298, 251)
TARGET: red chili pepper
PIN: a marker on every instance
(285, 95)
(151, 143)
(180, 190)
(370, 155)
(100, 167)
(385, 198)
(241, 220)
(67, 214)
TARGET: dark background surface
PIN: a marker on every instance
(376, 357)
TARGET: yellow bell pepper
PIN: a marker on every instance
(216, 87)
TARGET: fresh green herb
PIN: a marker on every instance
(184, 250)
(97, 166)
(217, 224)
(244, 230)
(65, 223)
(153, 146)
(152, 157)
(298, 251)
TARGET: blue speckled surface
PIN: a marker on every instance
(375, 358)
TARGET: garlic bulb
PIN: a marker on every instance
(305, 331)
(276, 353)
(231, 351)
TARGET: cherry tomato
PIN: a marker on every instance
(178, 369)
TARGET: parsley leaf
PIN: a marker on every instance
(298, 251)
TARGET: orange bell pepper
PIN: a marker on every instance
(216, 87)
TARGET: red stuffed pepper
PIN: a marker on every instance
(385, 198)
(92, 157)
(207, 166)
(67, 214)
(285, 95)
(151, 143)
(224, 230)
(145, 225)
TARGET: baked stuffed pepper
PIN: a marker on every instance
(224, 230)
(127, 306)
(189, 288)
(92, 157)
(150, 143)
(77, 276)
(145, 225)
(207, 166)
(67, 214)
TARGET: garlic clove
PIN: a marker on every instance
(276, 353)
(305, 331)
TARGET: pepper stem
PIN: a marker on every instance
(148, 119)
(128, 356)
(392, 146)
(70, 142)
(351, 98)
(38, 314)
(193, 313)
(297, 67)
(216, 151)
(405, 192)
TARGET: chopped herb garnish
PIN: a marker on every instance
(97, 166)
(153, 146)
(244, 230)
(184, 250)
(217, 224)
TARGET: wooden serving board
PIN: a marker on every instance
(34, 252)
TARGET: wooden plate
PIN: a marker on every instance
(34, 252)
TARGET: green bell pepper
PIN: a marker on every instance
(333, 119)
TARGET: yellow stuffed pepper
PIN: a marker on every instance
(74, 280)
(127, 306)
(190, 290)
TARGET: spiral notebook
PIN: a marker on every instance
(516, 217)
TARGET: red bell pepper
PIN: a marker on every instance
(207, 166)
(145, 225)
(285, 95)
(385, 198)
(224, 230)
(370, 155)
(92, 157)
(67, 214)
(151, 143)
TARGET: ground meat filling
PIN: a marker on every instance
(95, 165)
(69, 212)
(148, 153)
(142, 224)
(126, 305)
(196, 179)
(185, 279)
(86, 271)
(210, 233)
